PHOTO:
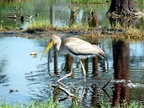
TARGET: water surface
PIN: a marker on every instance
(34, 79)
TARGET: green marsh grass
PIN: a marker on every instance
(40, 24)
(51, 104)
(45, 25)
(95, 1)
(35, 104)
(88, 1)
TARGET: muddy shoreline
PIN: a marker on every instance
(44, 33)
(99, 33)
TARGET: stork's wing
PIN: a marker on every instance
(80, 47)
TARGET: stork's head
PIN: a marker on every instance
(55, 40)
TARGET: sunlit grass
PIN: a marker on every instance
(88, 1)
(35, 104)
(45, 25)
(51, 104)
(123, 105)
(40, 24)
(95, 1)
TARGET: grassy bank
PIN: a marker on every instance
(51, 104)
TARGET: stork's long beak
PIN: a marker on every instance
(51, 43)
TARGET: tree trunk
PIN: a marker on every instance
(123, 7)
(121, 59)
(121, 93)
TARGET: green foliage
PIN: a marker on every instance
(95, 1)
(46, 104)
(88, 1)
(41, 24)
(36, 104)
(51, 104)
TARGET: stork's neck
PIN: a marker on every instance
(58, 45)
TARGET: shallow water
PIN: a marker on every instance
(34, 78)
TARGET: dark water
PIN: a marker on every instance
(36, 80)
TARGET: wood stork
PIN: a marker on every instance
(77, 48)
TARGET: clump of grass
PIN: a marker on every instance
(46, 104)
(134, 30)
(51, 104)
(45, 25)
(75, 27)
(80, 26)
(36, 104)
(87, 1)
(122, 105)
(40, 24)
(135, 105)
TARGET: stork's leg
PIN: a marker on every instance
(68, 75)
(84, 71)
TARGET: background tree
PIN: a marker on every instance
(124, 7)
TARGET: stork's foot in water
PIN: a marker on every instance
(68, 75)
